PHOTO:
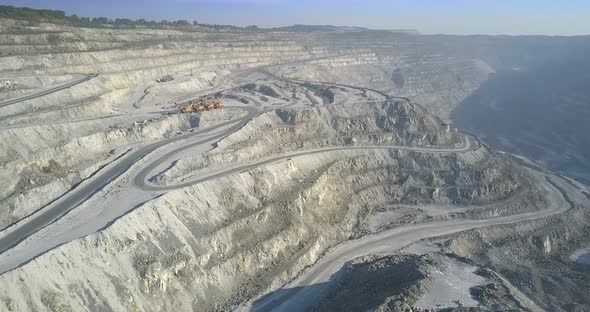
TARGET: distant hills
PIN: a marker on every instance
(35, 16)
(328, 28)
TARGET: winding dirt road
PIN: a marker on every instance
(49, 91)
(299, 296)
(318, 274)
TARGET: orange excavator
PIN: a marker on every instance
(204, 103)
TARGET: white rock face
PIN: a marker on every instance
(439, 85)
(287, 130)
(203, 246)
(213, 245)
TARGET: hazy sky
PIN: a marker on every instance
(548, 17)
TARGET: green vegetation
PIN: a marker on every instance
(29, 14)
(34, 17)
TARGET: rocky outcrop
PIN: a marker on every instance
(36, 169)
(391, 283)
(288, 130)
(213, 245)
(533, 257)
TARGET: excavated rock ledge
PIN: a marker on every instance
(287, 130)
(215, 245)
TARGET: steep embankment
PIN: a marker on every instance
(287, 130)
(213, 245)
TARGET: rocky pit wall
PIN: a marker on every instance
(143, 57)
(213, 245)
(533, 256)
(438, 85)
(373, 283)
(46, 169)
(15, 86)
(216, 244)
(288, 130)
(130, 59)
(399, 64)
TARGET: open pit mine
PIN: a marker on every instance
(263, 170)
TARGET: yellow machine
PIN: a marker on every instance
(202, 104)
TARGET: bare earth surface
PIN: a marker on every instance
(332, 178)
